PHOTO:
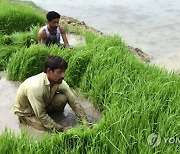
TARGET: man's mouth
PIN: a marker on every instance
(55, 27)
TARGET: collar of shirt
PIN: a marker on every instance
(46, 81)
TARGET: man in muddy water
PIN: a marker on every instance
(46, 92)
(52, 32)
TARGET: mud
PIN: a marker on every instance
(9, 120)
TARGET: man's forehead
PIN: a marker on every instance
(59, 70)
(55, 20)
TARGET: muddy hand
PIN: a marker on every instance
(64, 129)
(87, 124)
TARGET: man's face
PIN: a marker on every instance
(56, 76)
(54, 23)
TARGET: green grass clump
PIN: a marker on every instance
(18, 18)
(5, 54)
(21, 39)
(27, 62)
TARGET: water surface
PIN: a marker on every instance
(151, 25)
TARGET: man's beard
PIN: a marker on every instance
(59, 81)
(55, 27)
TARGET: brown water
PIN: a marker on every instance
(8, 91)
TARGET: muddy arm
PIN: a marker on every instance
(72, 101)
(64, 37)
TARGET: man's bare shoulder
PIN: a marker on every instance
(42, 30)
(42, 33)
(62, 29)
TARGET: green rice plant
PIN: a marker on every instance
(77, 65)
(90, 37)
(34, 33)
(25, 17)
(5, 40)
(72, 29)
(27, 62)
(21, 39)
(5, 54)
(1, 38)
(136, 99)
(63, 52)
(32, 59)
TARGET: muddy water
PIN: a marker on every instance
(8, 91)
(75, 40)
(151, 25)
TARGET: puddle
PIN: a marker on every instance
(8, 119)
(75, 40)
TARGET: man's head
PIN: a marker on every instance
(55, 68)
(53, 19)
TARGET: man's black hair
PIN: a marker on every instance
(55, 62)
(52, 15)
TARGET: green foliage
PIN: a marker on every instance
(77, 66)
(27, 62)
(5, 54)
(21, 39)
(25, 17)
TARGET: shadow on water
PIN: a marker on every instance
(9, 120)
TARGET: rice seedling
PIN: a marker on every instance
(24, 16)
(5, 54)
(22, 62)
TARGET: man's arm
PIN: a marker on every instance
(41, 36)
(74, 104)
(36, 100)
(64, 37)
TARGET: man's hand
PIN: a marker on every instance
(87, 124)
(64, 129)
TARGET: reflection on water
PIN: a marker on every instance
(151, 25)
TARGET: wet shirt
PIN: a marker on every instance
(35, 94)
